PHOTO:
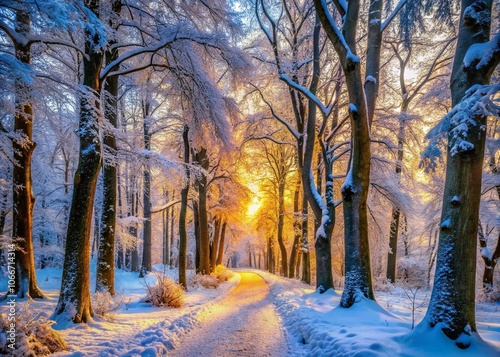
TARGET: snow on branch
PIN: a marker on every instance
(479, 100)
(483, 55)
(392, 15)
(324, 110)
(334, 33)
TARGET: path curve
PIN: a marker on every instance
(244, 324)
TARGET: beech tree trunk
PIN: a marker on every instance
(281, 222)
(304, 246)
(201, 159)
(183, 212)
(147, 239)
(74, 300)
(215, 243)
(220, 255)
(196, 222)
(23, 199)
(324, 212)
(297, 232)
(355, 189)
(452, 305)
(105, 276)
(166, 236)
(396, 212)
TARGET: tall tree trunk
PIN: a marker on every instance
(324, 213)
(221, 244)
(372, 81)
(172, 232)
(183, 212)
(304, 246)
(23, 199)
(281, 222)
(201, 159)
(147, 239)
(396, 212)
(452, 305)
(215, 243)
(297, 231)
(355, 189)
(74, 300)
(166, 236)
(105, 276)
(196, 222)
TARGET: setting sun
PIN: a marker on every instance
(254, 206)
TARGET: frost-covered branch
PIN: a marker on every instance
(483, 55)
(392, 15)
(324, 110)
(479, 100)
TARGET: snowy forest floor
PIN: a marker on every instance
(273, 316)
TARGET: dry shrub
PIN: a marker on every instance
(165, 292)
(206, 281)
(105, 305)
(34, 335)
(221, 273)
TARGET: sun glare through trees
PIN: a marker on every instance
(250, 178)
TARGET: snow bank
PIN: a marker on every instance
(317, 326)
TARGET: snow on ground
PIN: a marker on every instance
(314, 325)
(138, 329)
(318, 327)
(243, 325)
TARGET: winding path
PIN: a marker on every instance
(244, 324)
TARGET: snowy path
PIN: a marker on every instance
(244, 324)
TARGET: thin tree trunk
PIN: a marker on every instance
(172, 232)
(221, 244)
(281, 222)
(166, 236)
(196, 220)
(74, 300)
(147, 265)
(297, 232)
(201, 159)
(304, 246)
(396, 212)
(452, 305)
(183, 212)
(215, 243)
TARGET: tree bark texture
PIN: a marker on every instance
(452, 305)
(358, 281)
(105, 276)
(202, 160)
(215, 243)
(74, 300)
(183, 212)
(220, 254)
(23, 199)
(147, 265)
(297, 232)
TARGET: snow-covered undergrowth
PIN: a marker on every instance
(137, 328)
(316, 326)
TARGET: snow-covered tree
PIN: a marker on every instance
(477, 54)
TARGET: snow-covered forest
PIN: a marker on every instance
(250, 177)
